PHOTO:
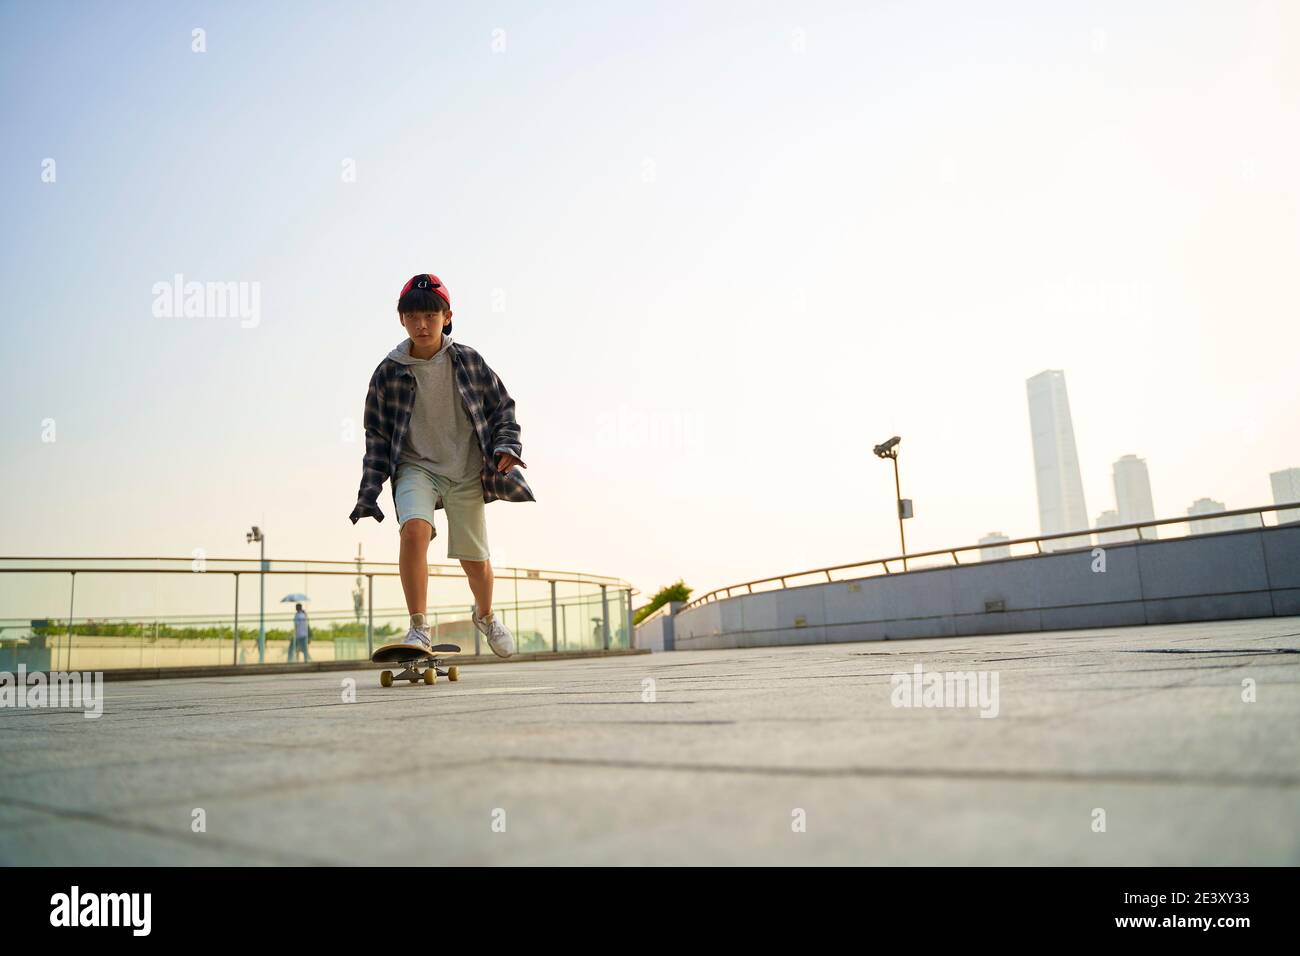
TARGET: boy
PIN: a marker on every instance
(434, 411)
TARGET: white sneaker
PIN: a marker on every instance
(418, 637)
(499, 637)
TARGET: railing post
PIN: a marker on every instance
(555, 633)
(370, 618)
(72, 601)
(261, 606)
(236, 646)
(630, 632)
(604, 617)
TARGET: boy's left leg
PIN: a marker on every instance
(480, 583)
(467, 537)
(467, 542)
(499, 637)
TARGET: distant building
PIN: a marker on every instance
(1286, 488)
(994, 553)
(1108, 519)
(1208, 506)
(1133, 493)
(1056, 461)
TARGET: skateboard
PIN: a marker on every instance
(418, 664)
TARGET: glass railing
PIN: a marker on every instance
(114, 613)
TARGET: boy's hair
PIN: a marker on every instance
(423, 300)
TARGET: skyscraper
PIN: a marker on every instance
(1108, 519)
(1133, 493)
(991, 551)
(1056, 461)
(1286, 488)
(1208, 506)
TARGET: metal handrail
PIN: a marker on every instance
(529, 573)
(1036, 540)
(286, 612)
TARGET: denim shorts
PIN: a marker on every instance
(415, 490)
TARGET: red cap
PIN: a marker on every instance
(427, 280)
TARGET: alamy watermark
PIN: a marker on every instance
(75, 908)
(179, 299)
(946, 689)
(55, 689)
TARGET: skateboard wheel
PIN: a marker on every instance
(430, 675)
(386, 679)
(453, 672)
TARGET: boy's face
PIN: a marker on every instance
(423, 327)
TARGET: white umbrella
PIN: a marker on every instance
(294, 598)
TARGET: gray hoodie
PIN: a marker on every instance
(441, 436)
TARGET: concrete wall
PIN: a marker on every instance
(1239, 574)
(656, 634)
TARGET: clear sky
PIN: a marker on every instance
(716, 251)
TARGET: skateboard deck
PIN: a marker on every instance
(418, 664)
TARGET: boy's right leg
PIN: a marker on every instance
(414, 565)
(413, 562)
(414, 495)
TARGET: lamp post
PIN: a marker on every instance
(257, 536)
(889, 449)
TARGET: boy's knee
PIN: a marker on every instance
(417, 531)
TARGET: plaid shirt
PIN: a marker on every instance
(388, 414)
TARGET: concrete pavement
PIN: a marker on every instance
(794, 755)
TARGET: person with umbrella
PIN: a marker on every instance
(301, 630)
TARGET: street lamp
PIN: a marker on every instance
(359, 592)
(256, 536)
(889, 449)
